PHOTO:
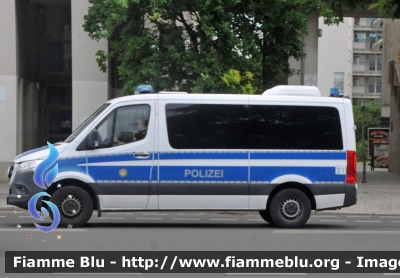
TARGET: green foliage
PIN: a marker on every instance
(372, 118)
(389, 7)
(190, 44)
(239, 83)
(333, 10)
(359, 150)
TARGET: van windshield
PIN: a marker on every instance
(86, 123)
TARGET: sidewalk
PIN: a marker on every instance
(380, 195)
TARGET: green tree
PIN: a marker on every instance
(238, 82)
(333, 9)
(190, 44)
(372, 118)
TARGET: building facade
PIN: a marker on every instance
(392, 85)
(49, 78)
(50, 81)
(350, 58)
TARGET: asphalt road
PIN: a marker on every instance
(176, 231)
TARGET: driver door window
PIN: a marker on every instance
(124, 125)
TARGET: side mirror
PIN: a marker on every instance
(92, 140)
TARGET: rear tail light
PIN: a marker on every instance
(351, 177)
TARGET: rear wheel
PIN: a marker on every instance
(290, 208)
(75, 205)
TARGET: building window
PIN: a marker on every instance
(372, 66)
(356, 59)
(360, 36)
(375, 63)
(371, 21)
(359, 59)
(379, 62)
(358, 81)
(378, 82)
(338, 80)
(374, 85)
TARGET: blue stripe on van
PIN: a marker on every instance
(71, 164)
(199, 155)
(111, 173)
(32, 151)
(300, 155)
(314, 174)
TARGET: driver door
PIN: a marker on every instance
(122, 163)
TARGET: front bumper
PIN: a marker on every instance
(22, 188)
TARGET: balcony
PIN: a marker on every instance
(366, 91)
(377, 46)
(367, 46)
(376, 24)
(368, 24)
(367, 69)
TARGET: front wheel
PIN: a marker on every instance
(290, 208)
(266, 215)
(75, 205)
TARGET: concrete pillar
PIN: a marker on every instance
(8, 87)
(89, 84)
(308, 65)
(391, 51)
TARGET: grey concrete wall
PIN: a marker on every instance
(311, 41)
(89, 84)
(335, 55)
(391, 46)
(310, 62)
(30, 114)
(31, 53)
(8, 86)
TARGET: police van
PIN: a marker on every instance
(283, 153)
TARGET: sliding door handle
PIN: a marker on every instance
(141, 155)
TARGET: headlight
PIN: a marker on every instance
(29, 165)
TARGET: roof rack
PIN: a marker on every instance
(288, 90)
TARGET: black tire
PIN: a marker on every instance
(75, 205)
(290, 208)
(266, 215)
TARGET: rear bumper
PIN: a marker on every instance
(350, 197)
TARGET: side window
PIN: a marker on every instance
(207, 126)
(124, 125)
(131, 124)
(295, 128)
(105, 130)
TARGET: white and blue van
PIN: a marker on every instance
(283, 153)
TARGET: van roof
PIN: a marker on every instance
(225, 97)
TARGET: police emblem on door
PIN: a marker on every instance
(122, 173)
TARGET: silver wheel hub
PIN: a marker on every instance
(290, 209)
(70, 206)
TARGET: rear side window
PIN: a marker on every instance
(207, 126)
(294, 128)
(215, 126)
